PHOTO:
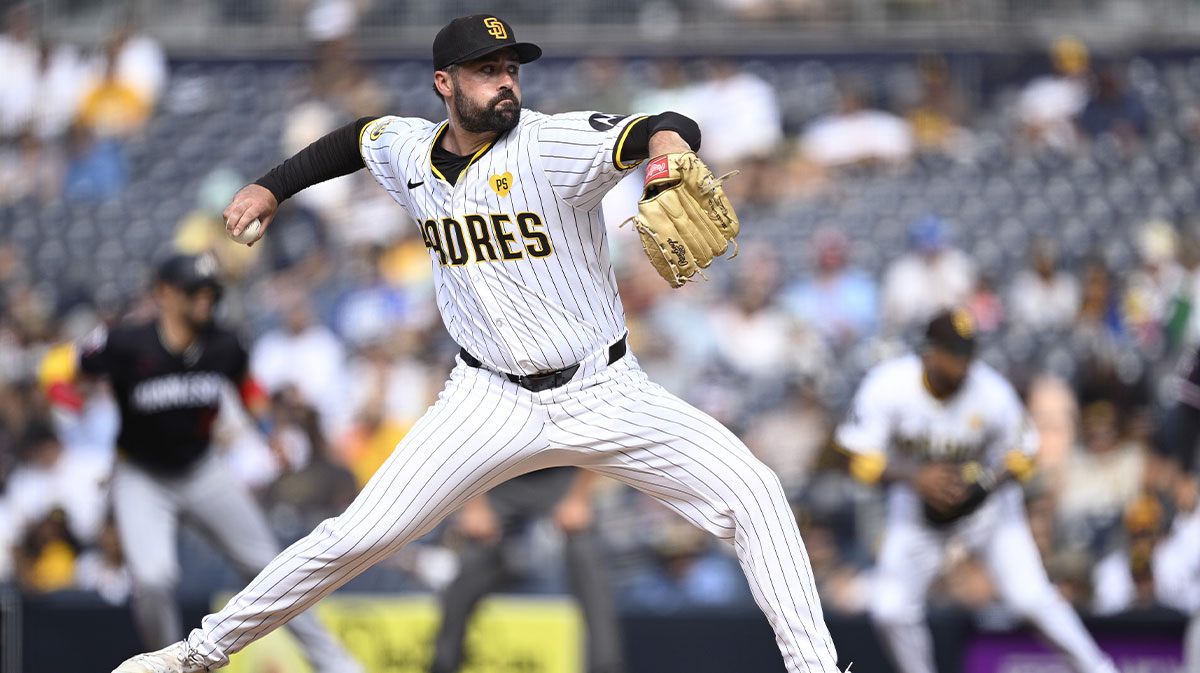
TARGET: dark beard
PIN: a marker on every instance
(489, 118)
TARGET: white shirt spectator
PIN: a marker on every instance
(1100, 484)
(859, 135)
(62, 81)
(142, 65)
(311, 359)
(403, 387)
(74, 483)
(1051, 99)
(19, 95)
(1044, 303)
(740, 116)
(918, 285)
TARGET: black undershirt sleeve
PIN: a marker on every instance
(636, 145)
(330, 156)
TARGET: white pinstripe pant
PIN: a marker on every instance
(484, 430)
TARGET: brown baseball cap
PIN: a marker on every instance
(470, 37)
(952, 331)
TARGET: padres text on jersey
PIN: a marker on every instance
(521, 262)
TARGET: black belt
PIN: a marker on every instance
(546, 380)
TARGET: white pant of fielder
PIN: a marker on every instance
(148, 510)
(483, 430)
(912, 554)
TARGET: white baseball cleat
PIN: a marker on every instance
(170, 659)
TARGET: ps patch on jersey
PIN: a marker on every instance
(501, 183)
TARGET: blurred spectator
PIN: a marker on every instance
(933, 276)
(1099, 318)
(112, 107)
(30, 169)
(790, 436)
(371, 308)
(1049, 104)
(61, 82)
(139, 62)
(45, 558)
(1114, 108)
(856, 134)
(275, 358)
(741, 119)
(19, 54)
(838, 301)
(97, 168)
(687, 572)
(937, 118)
(102, 569)
(1152, 288)
(751, 317)
(1124, 578)
(603, 86)
(1101, 477)
(843, 586)
(311, 492)
(391, 378)
(1043, 297)
(670, 88)
(1055, 415)
(984, 305)
(370, 440)
(52, 479)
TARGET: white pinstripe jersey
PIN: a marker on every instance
(520, 255)
(894, 413)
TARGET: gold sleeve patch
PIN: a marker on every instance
(867, 467)
(1020, 465)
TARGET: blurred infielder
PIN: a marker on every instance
(168, 376)
(947, 435)
(508, 201)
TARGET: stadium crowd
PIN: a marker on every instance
(855, 235)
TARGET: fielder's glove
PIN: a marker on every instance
(979, 482)
(683, 217)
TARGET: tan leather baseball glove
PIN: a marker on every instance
(683, 217)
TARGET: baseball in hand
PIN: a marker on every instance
(250, 233)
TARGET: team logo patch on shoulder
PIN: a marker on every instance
(378, 130)
(604, 122)
(501, 183)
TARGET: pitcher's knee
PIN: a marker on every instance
(339, 541)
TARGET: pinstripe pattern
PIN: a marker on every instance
(531, 314)
(484, 430)
(542, 309)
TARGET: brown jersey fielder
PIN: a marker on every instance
(508, 202)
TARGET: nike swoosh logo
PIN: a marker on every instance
(414, 185)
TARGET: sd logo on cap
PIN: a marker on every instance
(470, 37)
